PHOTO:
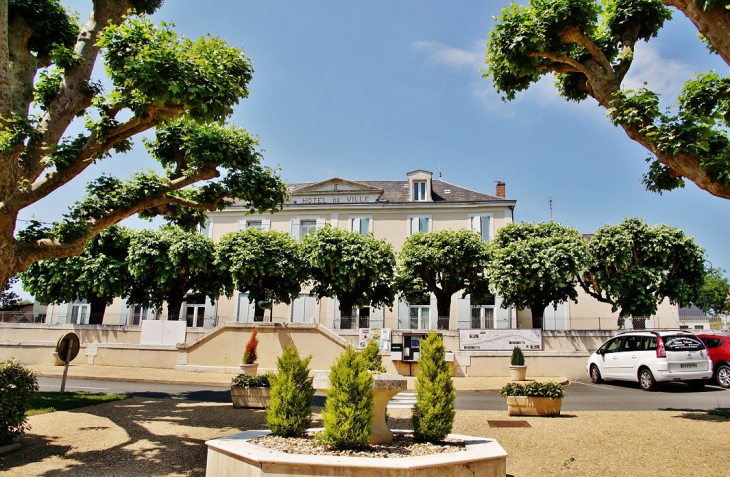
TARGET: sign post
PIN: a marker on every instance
(68, 349)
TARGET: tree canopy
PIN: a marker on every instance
(635, 266)
(443, 263)
(8, 298)
(167, 264)
(97, 275)
(184, 88)
(715, 295)
(257, 262)
(534, 265)
(356, 269)
(589, 45)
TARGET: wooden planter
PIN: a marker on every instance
(518, 373)
(250, 397)
(533, 406)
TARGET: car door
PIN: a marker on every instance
(628, 357)
(609, 358)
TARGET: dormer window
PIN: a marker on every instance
(419, 190)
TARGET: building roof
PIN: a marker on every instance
(398, 191)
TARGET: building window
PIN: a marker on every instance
(360, 225)
(205, 228)
(481, 224)
(307, 226)
(360, 318)
(79, 314)
(418, 225)
(419, 191)
(249, 224)
(420, 317)
(139, 313)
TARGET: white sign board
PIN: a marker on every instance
(499, 340)
(163, 332)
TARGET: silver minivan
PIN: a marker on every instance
(648, 357)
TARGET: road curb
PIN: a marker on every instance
(135, 380)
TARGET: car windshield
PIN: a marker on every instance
(682, 343)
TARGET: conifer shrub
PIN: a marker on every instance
(433, 413)
(371, 355)
(348, 411)
(17, 383)
(518, 359)
(249, 355)
(290, 410)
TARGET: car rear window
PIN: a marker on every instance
(682, 343)
(712, 342)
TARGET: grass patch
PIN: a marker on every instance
(718, 412)
(42, 402)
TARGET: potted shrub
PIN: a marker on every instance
(517, 368)
(57, 359)
(249, 365)
(251, 391)
(534, 399)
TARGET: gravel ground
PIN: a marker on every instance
(166, 437)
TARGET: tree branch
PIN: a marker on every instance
(561, 59)
(573, 34)
(628, 43)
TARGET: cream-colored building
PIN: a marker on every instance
(390, 210)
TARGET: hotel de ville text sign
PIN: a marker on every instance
(334, 199)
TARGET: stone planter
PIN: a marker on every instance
(518, 373)
(234, 455)
(250, 397)
(250, 369)
(533, 406)
(57, 361)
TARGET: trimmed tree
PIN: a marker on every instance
(8, 298)
(168, 263)
(290, 411)
(589, 45)
(98, 275)
(184, 88)
(371, 355)
(356, 269)
(258, 261)
(442, 263)
(635, 266)
(433, 413)
(17, 384)
(534, 265)
(714, 298)
(348, 411)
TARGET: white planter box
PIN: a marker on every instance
(250, 397)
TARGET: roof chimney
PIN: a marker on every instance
(501, 189)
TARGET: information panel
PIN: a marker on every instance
(499, 340)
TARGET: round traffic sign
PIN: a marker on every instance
(69, 340)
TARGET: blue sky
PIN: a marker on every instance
(373, 90)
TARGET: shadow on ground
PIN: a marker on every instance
(158, 443)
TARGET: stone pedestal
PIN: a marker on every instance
(385, 386)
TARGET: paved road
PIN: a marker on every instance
(580, 396)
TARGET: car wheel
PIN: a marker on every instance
(595, 375)
(723, 375)
(696, 384)
(646, 379)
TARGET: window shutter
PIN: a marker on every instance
(403, 311)
(423, 225)
(364, 226)
(463, 313)
(486, 228)
(501, 316)
(123, 313)
(434, 312)
(265, 225)
(355, 225)
(376, 317)
(413, 226)
(320, 223)
(241, 225)
(211, 310)
(295, 229)
(476, 224)
(62, 312)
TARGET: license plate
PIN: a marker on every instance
(688, 365)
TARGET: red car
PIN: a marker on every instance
(718, 347)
